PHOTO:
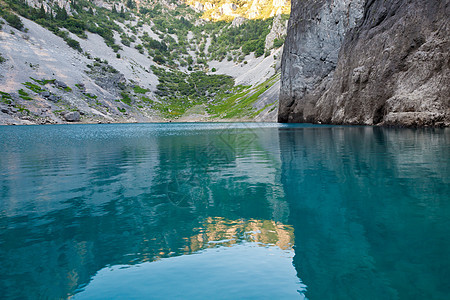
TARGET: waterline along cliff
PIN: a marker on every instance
(371, 62)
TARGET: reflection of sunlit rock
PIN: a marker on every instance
(223, 232)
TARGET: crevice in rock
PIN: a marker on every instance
(379, 114)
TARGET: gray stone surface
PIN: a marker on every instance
(393, 67)
(4, 109)
(72, 116)
(45, 94)
(53, 98)
(268, 100)
(60, 84)
(277, 31)
(315, 32)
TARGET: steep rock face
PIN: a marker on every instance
(315, 33)
(393, 69)
(277, 31)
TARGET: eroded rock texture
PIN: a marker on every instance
(393, 66)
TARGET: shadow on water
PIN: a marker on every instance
(369, 208)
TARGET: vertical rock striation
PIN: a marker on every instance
(393, 66)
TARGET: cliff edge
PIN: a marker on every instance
(371, 62)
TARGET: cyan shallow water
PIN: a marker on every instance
(224, 211)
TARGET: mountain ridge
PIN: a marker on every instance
(107, 56)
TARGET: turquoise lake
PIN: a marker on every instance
(224, 211)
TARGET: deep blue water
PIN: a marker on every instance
(224, 211)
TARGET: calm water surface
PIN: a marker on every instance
(224, 211)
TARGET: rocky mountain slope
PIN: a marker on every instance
(134, 61)
(231, 9)
(367, 62)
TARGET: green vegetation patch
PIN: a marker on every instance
(228, 40)
(277, 43)
(125, 98)
(35, 88)
(22, 109)
(91, 96)
(24, 95)
(5, 97)
(138, 90)
(180, 91)
(43, 81)
(12, 19)
(194, 85)
(84, 19)
(240, 103)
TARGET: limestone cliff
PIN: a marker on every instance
(393, 66)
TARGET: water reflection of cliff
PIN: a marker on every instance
(370, 211)
(71, 208)
(222, 232)
(369, 206)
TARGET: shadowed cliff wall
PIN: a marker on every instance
(393, 66)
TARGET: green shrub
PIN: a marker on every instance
(35, 88)
(126, 98)
(115, 47)
(277, 43)
(24, 95)
(22, 92)
(74, 44)
(5, 97)
(126, 42)
(13, 20)
(43, 81)
(159, 59)
(92, 96)
(138, 90)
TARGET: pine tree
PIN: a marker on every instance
(131, 4)
(42, 14)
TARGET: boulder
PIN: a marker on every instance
(53, 98)
(60, 84)
(45, 94)
(72, 116)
